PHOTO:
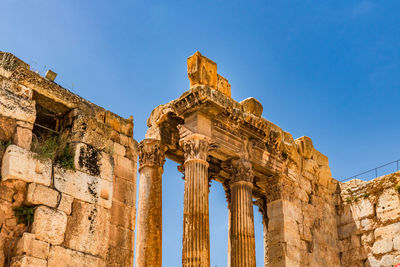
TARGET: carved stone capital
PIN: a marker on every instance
(151, 153)
(241, 170)
(195, 146)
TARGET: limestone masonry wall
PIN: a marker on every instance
(369, 222)
(68, 175)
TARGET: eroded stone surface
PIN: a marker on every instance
(83, 186)
(21, 164)
(87, 229)
(62, 257)
(49, 225)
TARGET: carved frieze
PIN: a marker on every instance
(151, 153)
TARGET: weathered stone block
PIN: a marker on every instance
(223, 85)
(124, 168)
(305, 146)
(121, 237)
(202, 70)
(388, 231)
(387, 261)
(65, 203)
(49, 225)
(17, 107)
(123, 215)
(21, 164)
(23, 137)
(41, 195)
(87, 229)
(89, 131)
(362, 208)
(252, 106)
(6, 192)
(382, 246)
(30, 246)
(62, 257)
(119, 149)
(83, 186)
(396, 242)
(118, 257)
(124, 191)
(27, 261)
(7, 128)
(93, 161)
(387, 208)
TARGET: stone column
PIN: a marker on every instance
(196, 234)
(149, 229)
(262, 208)
(242, 220)
(228, 200)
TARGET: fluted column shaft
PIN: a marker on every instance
(242, 220)
(149, 229)
(196, 233)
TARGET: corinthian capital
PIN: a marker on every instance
(195, 146)
(151, 153)
(241, 170)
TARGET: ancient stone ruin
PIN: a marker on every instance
(68, 182)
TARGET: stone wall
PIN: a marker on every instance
(369, 222)
(68, 175)
(301, 215)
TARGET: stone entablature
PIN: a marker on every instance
(75, 192)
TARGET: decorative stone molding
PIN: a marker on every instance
(241, 170)
(151, 153)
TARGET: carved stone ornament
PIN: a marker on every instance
(195, 146)
(241, 170)
(151, 153)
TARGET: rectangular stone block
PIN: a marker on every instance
(83, 186)
(388, 206)
(124, 191)
(119, 149)
(63, 257)
(28, 261)
(87, 229)
(17, 107)
(202, 70)
(65, 203)
(124, 168)
(94, 162)
(121, 237)
(118, 257)
(21, 164)
(362, 208)
(29, 246)
(123, 215)
(23, 137)
(382, 246)
(49, 225)
(41, 195)
(388, 231)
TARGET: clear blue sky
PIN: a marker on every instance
(326, 69)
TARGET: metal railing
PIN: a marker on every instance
(375, 171)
